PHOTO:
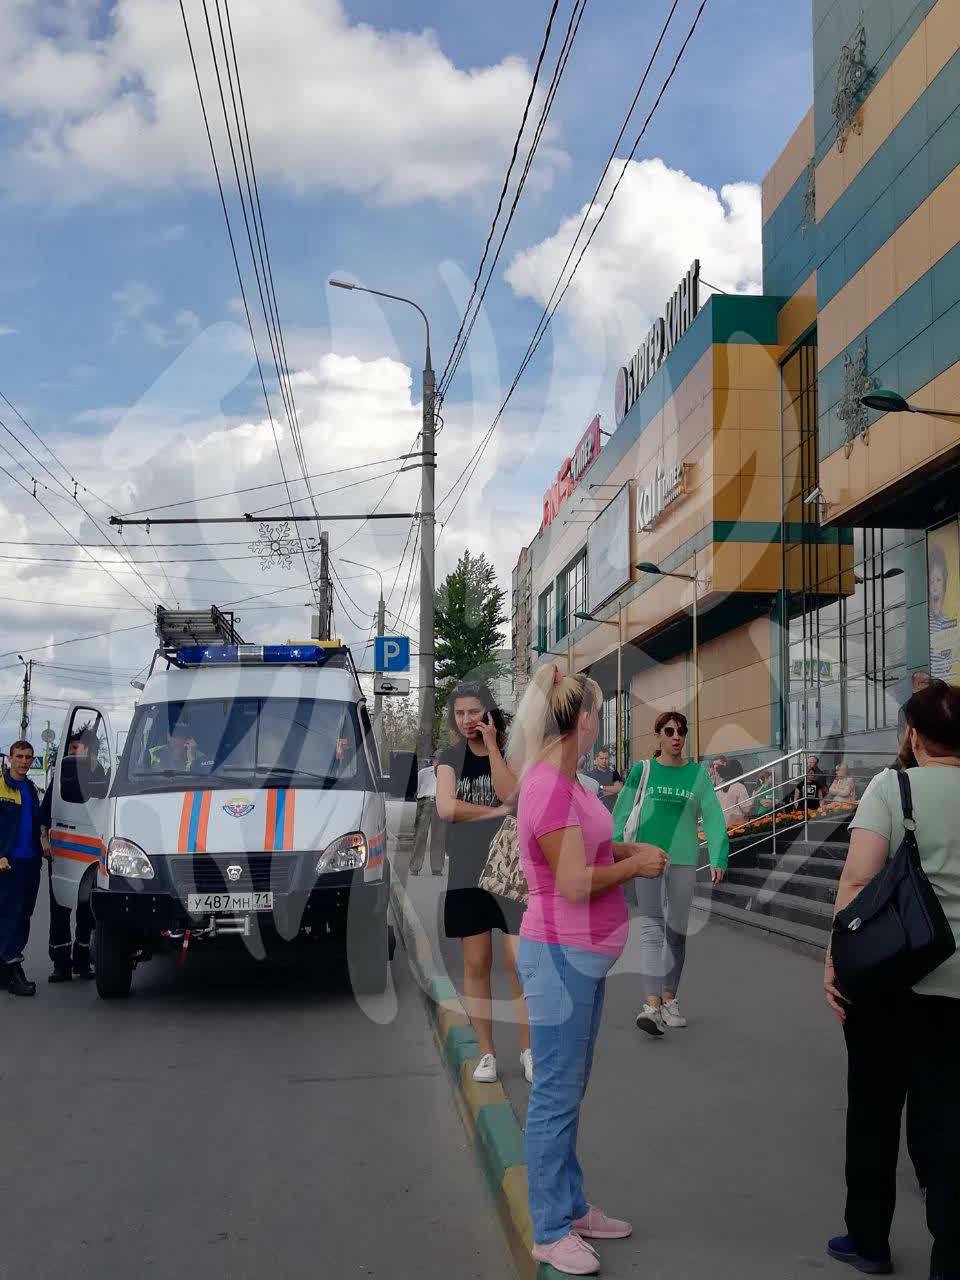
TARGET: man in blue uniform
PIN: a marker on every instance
(21, 858)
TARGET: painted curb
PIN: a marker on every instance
(487, 1114)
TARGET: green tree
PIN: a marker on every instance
(399, 727)
(469, 616)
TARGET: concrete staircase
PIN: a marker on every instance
(790, 893)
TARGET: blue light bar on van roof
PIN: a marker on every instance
(232, 654)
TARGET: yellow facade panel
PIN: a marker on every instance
(942, 30)
(726, 498)
(759, 498)
(759, 367)
(761, 566)
(916, 445)
(726, 365)
(760, 410)
(745, 730)
(946, 434)
(883, 459)
(726, 452)
(832, 329)
(726, 408)
(760, 453)
(908, 74)
(725, 569)
(946, 390)
(830, 182)
(912, 248)
(797, 315)
(944, 229)
(880, 287)
(788, 166)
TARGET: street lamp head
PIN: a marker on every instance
(342, 284)
(886, 401)
(647, 566)
(584, 617)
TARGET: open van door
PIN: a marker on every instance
(79, 806)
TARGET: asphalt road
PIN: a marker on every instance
(723, 1142)
(240, 1125)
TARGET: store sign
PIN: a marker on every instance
(666, 332)
(810, 669)
(572, 472)
(668, 485)
(608, 549)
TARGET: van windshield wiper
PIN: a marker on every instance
(283, 770)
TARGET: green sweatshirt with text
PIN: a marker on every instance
(677, 796)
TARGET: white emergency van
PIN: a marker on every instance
(247, 802)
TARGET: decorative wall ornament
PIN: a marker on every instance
(856, 383)
(853, 79)
(808, 215)
(275, 545)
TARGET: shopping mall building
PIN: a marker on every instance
(824, 534)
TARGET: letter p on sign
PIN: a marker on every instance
(392, 653)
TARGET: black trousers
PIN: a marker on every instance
(905, 1050)
(18, 897)
(64, 946)
(428, 831)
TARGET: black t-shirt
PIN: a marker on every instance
(814, 788)
(606, 778)
(468, 843)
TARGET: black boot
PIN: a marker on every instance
(81, 965)
(17, 983)
(61, 971)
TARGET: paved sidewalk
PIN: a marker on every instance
(723, 1142)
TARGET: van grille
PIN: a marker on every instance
(260, 873)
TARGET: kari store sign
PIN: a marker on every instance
(665, 333)
(669, 484)
(572, 472)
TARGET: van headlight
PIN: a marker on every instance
(348, 853)
(124, 858)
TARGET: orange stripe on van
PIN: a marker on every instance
(183, 840)
(289, 815)
(269, 833)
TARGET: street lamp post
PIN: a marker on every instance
(646, 566)
(888, 401)
(609, 622)
(428, 691)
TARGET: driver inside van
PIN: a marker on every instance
(179, 754)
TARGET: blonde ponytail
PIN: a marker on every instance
(549, 710)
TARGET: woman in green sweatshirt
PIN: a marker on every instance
(679, 793)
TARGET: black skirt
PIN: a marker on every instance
(469, 912)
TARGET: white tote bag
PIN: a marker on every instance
(632, 824)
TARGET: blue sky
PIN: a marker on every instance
(380, 151)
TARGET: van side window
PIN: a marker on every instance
(370, 740)
(85, 769)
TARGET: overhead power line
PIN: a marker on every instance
(474, 462)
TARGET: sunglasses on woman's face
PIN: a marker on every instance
(669, 732)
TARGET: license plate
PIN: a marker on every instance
(201, 903)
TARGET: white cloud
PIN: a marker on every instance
(658, 223)
(332, 104)
(6, 331)
(135, 304)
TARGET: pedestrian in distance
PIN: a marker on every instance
(475, 788)
(919, 680)
(21, 860)
(574, 928)
(609, 779)
(735, 800)
(904, 1047)
(662, 803)
(812, 787)
(70, 950)
(426, 831)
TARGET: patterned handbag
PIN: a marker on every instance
(502, 873)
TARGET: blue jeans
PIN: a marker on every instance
(18, 897)
(563, 988)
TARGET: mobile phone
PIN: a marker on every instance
(485, 717)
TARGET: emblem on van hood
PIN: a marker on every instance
(234, 873)
(238, 808)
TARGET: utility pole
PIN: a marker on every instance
(25, 702)
(324, 592)
(428, 691)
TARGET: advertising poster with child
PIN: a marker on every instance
(943, 597)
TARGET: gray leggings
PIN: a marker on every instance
(664, 911)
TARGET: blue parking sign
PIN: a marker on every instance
(391, 653)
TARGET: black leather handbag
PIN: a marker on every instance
(895, 931)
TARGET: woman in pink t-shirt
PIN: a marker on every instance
(574, 928)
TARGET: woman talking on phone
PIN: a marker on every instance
(474, 788)
(661, 803)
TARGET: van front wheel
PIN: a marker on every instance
(113, 963)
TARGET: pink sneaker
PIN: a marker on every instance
(571, 1255)
(596, 1225)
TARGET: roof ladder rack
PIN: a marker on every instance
(211, 626)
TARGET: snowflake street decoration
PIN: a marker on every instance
(808, 215)
(856, 384)
(853, 77)
(274, 545)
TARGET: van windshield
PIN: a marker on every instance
(253, 742)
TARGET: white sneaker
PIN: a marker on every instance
(650, 1020)
(485, 1072)
(526, 1062)
(672, 1017)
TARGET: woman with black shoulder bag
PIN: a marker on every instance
(893, 978)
